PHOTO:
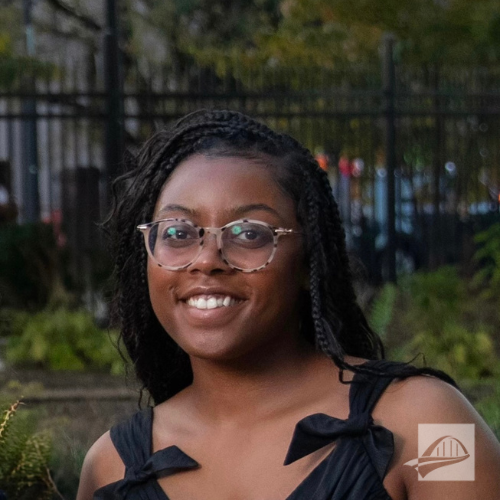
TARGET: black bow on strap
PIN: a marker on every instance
(319, 430)
(159, 464)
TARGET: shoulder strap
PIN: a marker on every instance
(366, 389)
(132, 438)
(318, 430)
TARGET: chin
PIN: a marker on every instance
(211, 346)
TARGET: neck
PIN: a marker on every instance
(252, 387)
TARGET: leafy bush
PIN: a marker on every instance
(489, 407)
(66, 465)
(438, 315)
(24, 458)
(382, 309)
(434, 299)
(62, 339)
(488, 256)
(452, 323)
(463, 354)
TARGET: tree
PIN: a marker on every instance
(14, 63)
(321, 32)
(11, 17)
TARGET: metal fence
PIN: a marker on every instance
(427, 141)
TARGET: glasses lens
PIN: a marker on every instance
(247, 245)
(173, 243)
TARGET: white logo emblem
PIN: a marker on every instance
(445, 452)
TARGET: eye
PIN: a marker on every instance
(177, 234)
(249, 235)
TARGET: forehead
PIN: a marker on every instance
(221, 184)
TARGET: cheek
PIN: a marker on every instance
(293, 269)
(283, 285)
(161, 285)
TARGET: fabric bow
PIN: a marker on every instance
(159, 464)
(319, 430)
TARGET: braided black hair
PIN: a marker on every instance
(331, 319)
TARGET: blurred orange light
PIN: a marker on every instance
(322, 160)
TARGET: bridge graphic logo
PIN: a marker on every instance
(446, 452)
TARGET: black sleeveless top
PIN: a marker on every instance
(354, 469)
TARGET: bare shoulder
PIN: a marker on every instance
(425, 397)
(428, 400)
(102, 466)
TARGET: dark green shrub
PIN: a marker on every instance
(382, 309)
(440, 316)
(462, 353)
(489, 407)
(62, 339)
(488, 257)
(66, 463)
(453, 323)
(434, 299)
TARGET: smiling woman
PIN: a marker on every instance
(237, 308)
(262, 305)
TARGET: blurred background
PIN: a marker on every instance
(399, 101)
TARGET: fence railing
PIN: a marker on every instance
(429, 139)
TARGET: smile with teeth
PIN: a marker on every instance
(212, 301)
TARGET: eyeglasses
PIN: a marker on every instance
(245, 245)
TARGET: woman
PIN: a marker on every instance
(238, 311)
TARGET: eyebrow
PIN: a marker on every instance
(238, 211)
(177, 208)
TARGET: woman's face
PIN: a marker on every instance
(264, 305)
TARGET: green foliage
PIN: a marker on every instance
(436, 299)
(17, 70)
(62, 339)
(446, 323)
(489, 407)
(382, 309)
(488, 257)
(188, 24)
(460, 352)
(441, 316)
(322, 33)
(66, 464)
(24, 457)
(67, 452)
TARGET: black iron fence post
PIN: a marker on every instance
(389, 90)
(436, 250)
(31, 195)
(114, 91)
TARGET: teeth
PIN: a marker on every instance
(210, 302)
(201, 303)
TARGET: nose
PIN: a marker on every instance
(209, 261)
